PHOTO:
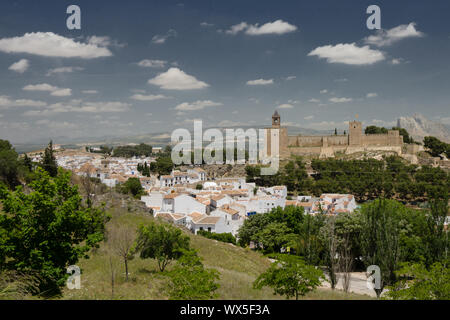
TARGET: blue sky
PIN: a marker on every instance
(152, 66)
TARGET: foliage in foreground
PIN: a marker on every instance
(189, 279)
(47, 229)
(290, 276)
(418, 283)
(162, 242)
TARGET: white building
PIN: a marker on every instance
(182, 203)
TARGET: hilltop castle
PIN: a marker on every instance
(327, 146)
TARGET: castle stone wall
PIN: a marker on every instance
(326, 146)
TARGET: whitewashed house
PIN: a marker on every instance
(182, 203)
(220, 200)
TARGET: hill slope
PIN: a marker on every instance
(238, 269)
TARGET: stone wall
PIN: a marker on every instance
(326, 146)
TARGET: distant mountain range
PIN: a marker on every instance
(419, 127)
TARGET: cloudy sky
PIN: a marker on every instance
(153, 66)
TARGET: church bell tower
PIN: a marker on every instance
(276, 120)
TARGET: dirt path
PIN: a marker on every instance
(358, 284)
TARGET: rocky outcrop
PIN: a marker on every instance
(419, 127)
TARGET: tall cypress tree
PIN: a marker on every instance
(49, 162)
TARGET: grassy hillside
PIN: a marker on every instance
(238, 267)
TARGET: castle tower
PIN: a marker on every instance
(279, 136)
(276, 120)
(355, 135)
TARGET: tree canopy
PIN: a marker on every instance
(161, 241)
(290, 276)
(190, 280)
(47, 229)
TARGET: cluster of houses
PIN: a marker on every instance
(111, 171)
(189, 199)
(222, 205)
(180, 177)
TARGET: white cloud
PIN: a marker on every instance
(79, 106)
(206, 24)
(314, 100)
(348, 53)
(290, 78)
(323, 91)
(176, 79)
(150, 97)
(6, 102)
(259, 82)
(147, 63)
(161, 38)
(104, 41)
(56, 124)
(231, 123)
(197, 105)
(388, 37)
(372, 95)
(90, 91)
(396, 61)
(62, 92)
(54, 91)
(341, 80)
(40, 87)
(309, 118)
(254, 100)
(293, 101)
(276, 27)
(340, 100)
(237, 28)
(285, 106)
(63, 70)
(50, 44)
(20, 66)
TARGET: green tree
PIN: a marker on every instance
(247, 232)
(8, 164)
(133, 186)
(289, 276)
(418, 283)
(380, 238)
(406, 137)
(436, 146)
(47, 229)
(49, 162)
(274, 236)
(436, 239)
(162, 242)
(27, 162)
(375, 130)
(293, 216)
(162, 166)
(309, 243)
(190, 280)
